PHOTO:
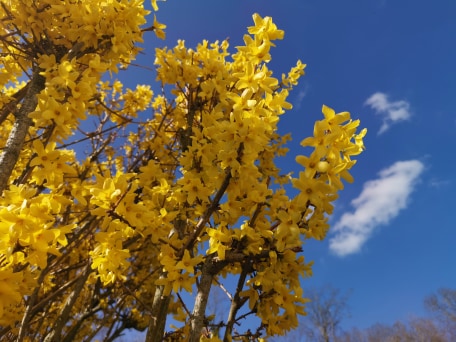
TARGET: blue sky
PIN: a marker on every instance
(391, 64)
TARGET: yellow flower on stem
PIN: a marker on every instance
(45, 156)
(265, 28)
(311, 164)
(312, 190)
(188, 262)
(218, 239)
(158, 29)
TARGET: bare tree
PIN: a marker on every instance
(425, 329)
(328, 308)
(354, 335)
(325, 311)
(414, 330)
(443, 305)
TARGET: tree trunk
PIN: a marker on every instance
(199, 310)
(157, 323)
(12, 149)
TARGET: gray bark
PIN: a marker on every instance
(12, 149)
(199, 310)
(157, 323)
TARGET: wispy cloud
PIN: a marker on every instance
(439, 183)
(391, 111)
(380, 201)
(300, 97)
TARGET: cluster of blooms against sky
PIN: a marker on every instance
(391, 231)
(391, 65)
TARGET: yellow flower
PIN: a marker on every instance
(154, 5)
(311, 164)
(46, 62)
(253, 297)
(218, 238)
(188, 262)
(332, 119)
(109, 258)
(176, 280)
(195, 189)
(312, 190)
(317, 227)
(46, 157)
(265, 28)
(158, 29)
(181, 280)
(287, 233)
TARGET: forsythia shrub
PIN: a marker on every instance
(105, 227)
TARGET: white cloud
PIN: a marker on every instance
(391, 112)
(380, 201)
(300, 97)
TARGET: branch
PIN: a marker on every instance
(56, 333)
(213, 207)
(160, 306)
(24, 325)
(70, 336)
(236, 303)
(199, 310)
(183, 304)
(211, 267)
(37, 307)
(9, 107)
(224, 289)
(12, 150)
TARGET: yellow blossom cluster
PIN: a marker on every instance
(335, 141)
(53, 55)
(169, 193)
(30, 232)
(225, 115)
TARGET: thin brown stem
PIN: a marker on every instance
(56, 333)
(236, 303)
